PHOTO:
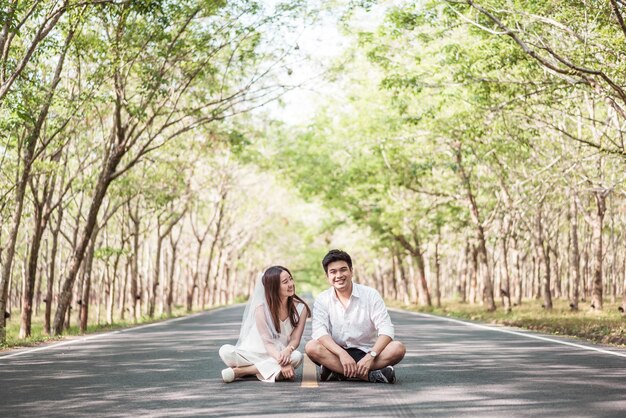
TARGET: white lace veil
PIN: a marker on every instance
(258, 333)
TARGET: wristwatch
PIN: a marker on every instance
(373, 354)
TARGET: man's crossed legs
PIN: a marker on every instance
(381, 370)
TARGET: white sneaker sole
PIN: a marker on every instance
(228, 375)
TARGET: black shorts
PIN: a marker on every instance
(355, 353)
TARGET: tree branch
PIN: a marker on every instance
(571, 70)
(618, 15)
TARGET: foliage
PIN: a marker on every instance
(605, 328)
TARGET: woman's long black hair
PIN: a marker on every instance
(271, 282)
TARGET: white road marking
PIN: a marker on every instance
(521, 334)
(96, 336)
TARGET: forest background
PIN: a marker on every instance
(155, 155)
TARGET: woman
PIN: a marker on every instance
(271, 329)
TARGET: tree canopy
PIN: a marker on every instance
(459, 149)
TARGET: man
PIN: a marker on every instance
(352, 332)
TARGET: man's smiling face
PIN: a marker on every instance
(339, 276)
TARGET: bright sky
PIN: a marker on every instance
(323, 44)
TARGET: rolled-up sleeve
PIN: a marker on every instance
(320, 321)
(380, 317)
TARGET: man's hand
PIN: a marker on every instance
(287, 372)
(349, 365)
(364, 366)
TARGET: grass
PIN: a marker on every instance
(38, 336)
(606, 327)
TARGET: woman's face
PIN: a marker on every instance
(287, 285)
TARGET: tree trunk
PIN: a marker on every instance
(104, 181)
(505, 291)
(52, 274)
(394, 277)
(170, 284)
(403, 278)
(41, 271)
(99, 294)
(463, 272)
(438, 270)
(572, 216)
(43, 211)
(598, 250)
(88, 270)
(535, 287)
(379, 281)
(9, 250)
(123, 290)
(135, 291)
(547, 292)
(206, 296)
(68, 318)
(217, 279)
(228, 275)
(544, 259)
(224, 278)
(410, 265)
(28, 160)
(111, 285)
(424, 293)
(483, 257)
(233, 281)
(193, 286)
(418, 257)
(622, 307)
(473, 277)
(169, 225)
(31, 271)
(585, 266)
(156, 275)
(556, 269)
(614, 258)
(517, 273)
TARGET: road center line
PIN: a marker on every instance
(521, 334)
(309, 373)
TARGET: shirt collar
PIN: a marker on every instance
(355, 292)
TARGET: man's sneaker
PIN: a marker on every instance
(384, 375)
(327, 375)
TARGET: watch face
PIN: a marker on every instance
(373, 353)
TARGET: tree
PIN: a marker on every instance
(171, 51)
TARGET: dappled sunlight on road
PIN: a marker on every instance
(173, 369)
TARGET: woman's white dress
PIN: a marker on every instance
(252, 351)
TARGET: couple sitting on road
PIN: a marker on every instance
(352, 333)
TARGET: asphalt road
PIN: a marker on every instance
(451, 369)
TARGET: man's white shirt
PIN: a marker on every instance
(358, 325)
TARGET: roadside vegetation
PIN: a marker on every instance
(39, 336)
(606, 327)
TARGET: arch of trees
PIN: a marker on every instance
(479, 145)
(116, 147)
(482, 145)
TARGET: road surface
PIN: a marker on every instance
(452, 368)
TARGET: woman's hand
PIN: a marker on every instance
(284, 356)
(287, 372)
